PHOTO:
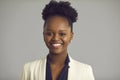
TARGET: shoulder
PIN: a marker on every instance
(85, 70)
(33, 64)
(77, 63)
(32, 69)
(79, 66)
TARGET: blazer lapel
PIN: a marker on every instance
(42, 70)
(71, 70)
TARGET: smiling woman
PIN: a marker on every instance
(58, 33)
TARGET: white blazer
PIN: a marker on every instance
(37, 70)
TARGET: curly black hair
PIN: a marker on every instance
(61, 8)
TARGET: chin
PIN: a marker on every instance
(56, 52)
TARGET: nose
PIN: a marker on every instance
(55, 37)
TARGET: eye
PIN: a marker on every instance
(62, 34)
(48, 33)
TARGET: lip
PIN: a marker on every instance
(56, 45)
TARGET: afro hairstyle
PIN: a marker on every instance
(61, 8)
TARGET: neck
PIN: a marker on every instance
(58, 59)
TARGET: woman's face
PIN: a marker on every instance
(57, 34)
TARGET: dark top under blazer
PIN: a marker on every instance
(63, 74)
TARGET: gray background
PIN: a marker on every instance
(96, 40)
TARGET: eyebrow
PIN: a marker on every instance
(59, 30)
(63, 30)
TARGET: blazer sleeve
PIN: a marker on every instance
(25, 75)
(91, 76)
(80, 71)
(34, 70)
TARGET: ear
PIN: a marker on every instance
(71, 36)
(44, 35)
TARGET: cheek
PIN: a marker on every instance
(47, 39)
(67, 40)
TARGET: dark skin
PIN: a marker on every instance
(57, 36)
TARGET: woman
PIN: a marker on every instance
(58, 33)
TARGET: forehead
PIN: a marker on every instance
(57, 22)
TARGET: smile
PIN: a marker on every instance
(56, 45)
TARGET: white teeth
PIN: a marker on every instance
(56, 44)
